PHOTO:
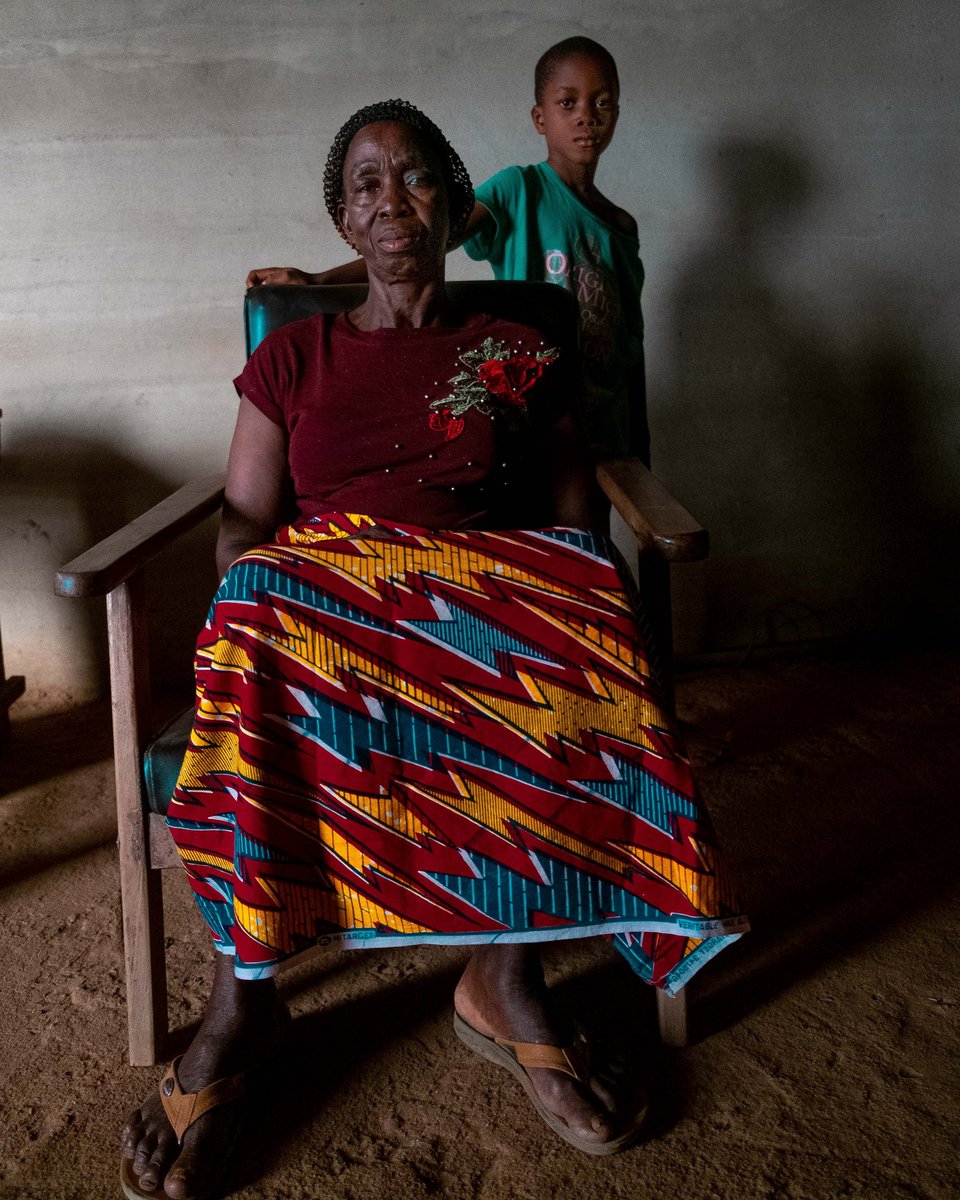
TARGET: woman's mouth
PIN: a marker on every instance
(394, 242)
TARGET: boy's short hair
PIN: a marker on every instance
(551, 59)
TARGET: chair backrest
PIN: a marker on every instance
(545, 306)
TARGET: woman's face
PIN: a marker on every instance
(394, 209)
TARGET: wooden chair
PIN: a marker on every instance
(665, 533)
(10, 689)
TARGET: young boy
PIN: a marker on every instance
(550, 222)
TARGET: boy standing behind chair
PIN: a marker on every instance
(550, 222)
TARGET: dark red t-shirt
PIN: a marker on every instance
(356, 410)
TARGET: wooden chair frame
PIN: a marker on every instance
(665, 533)
(11, 688)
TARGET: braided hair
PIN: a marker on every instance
(456, 181)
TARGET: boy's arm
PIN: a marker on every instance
(351, 272)
(477, 220)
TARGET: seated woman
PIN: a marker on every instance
(424, 711)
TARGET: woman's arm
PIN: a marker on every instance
(576, 498)
(351, 272)
(257, 481)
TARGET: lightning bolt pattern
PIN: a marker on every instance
(410, 735)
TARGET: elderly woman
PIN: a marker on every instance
(414, 722)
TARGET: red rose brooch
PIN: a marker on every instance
(493, 379)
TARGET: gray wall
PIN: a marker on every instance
(793, 169)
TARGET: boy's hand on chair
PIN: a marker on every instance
(277, 275)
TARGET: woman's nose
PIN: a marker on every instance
(393, 197)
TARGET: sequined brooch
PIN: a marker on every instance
(493, 379)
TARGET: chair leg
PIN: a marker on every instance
(10, 689)
(672, 1017)
(140, 887)
(653, 581)
(145, 968)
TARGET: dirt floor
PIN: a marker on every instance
(825, 1060)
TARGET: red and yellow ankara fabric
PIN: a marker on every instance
(453, 737)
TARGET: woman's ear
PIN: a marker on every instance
(536, 115)
(344, 225)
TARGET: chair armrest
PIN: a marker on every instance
(99, 570)
(661, 524)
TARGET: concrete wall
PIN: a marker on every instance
(793, 169)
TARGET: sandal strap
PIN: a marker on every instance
(552, 1058)
(183, 1108)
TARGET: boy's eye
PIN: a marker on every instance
(566, 102)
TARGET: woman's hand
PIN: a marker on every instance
(576, 499)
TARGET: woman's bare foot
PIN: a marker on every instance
(502, 994)
(239, 1022)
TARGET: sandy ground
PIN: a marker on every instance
(825, 1059)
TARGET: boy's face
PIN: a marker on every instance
(578, 111)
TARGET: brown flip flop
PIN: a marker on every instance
(183, 1109)
(516, 1057)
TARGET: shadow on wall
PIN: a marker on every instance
(810, 456)
(86, 489)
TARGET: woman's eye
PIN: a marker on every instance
(418, 180)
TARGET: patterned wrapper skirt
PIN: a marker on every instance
(411, 736)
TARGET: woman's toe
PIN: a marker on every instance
(607, 1097)
(184, 1177)
(599, 1127)
(581, 1113)
(144, 1152)
(148, 1180)
(151, 1177)
(132, 1134)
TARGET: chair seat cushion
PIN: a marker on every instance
(163, 758)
